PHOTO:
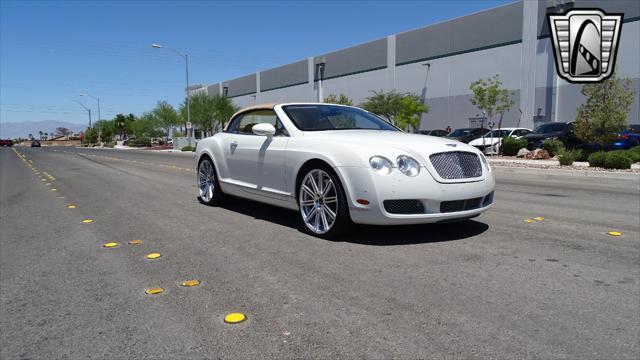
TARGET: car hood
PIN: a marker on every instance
(542, 136)
(379, 142)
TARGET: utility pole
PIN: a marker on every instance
(186, 66)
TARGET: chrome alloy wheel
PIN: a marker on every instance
(206, 180)
(318, 200)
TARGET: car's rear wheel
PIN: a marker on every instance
(209, 191)
(322, 203)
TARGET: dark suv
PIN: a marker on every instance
(467, 134)
(556, 130)
(439, 133)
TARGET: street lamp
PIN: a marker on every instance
(186, 66)
(86, 108)
(97, 99)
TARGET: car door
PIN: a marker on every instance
(255, 162)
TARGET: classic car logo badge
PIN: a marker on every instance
(452, 145)
(585, 42)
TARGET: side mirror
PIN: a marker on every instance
(264, 129)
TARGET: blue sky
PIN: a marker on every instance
(51, 51)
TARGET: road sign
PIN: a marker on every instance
(188, 125)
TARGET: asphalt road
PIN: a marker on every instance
(494, 287)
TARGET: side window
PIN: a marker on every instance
(243, 124)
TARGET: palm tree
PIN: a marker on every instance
(40, 133)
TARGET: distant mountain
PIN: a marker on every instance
(12, 130)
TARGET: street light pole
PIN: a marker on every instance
(86, 108)
(186, 67)
(98, 100)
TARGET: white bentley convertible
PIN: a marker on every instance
(340, 164)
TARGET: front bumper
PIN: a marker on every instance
(364, 183)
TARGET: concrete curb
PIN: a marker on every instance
(566, 172)
(139, 150)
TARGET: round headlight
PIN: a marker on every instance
(408, 165)
(380, 165)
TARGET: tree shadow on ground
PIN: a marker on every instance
(365, 234)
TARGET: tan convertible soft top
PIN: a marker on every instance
(266, 106)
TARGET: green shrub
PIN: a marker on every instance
(140, 142)
(553, 146)
(635, 153)
(567, 157)
(583, 155)
(188, 148)
(110, 144)
(510, 145)
(597, 159)
(617, 160)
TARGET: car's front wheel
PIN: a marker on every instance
(209, 191)
(322, 203)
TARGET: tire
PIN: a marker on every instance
(209, 192)
(322, 203)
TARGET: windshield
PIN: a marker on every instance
(331, 117)
(460, 132)
(549, 128)
(497, 133)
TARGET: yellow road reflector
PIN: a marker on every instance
(87, 221)
(43, 179)
(135, 242)
(539, 218)
(153, 256)
(54, 189)
(190, 283)
(154, 290)
(529, 221)
(71, 206)
(110, 244)
(61, 197)
(53, 178)
(234, 318)
(614, 233)
(48, 184)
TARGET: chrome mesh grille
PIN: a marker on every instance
(457, 165)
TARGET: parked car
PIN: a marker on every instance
(318, 159)
(6, 142)
(626, 139)
(490, 141)
(126, 142)
(465, 135)
(439, 133)
(554, 130)
(35, 143)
